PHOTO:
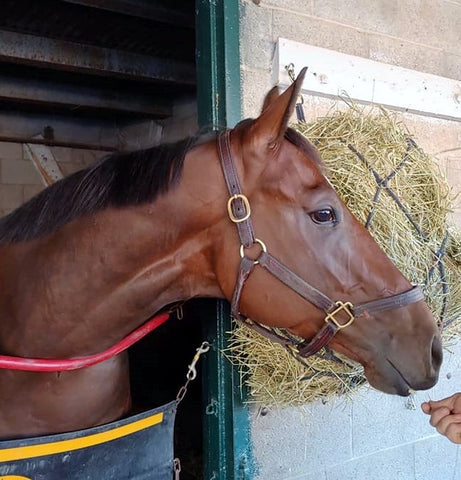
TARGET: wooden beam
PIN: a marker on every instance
(76, 57)
(57, 131)
(19, 88)
(87, 133)
(142, 9)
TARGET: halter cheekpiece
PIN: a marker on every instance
(339, 314)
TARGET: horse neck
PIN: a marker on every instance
(100, 276)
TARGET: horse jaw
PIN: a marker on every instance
(386, 362)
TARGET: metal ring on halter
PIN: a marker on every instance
(246, 204)
(260, 243)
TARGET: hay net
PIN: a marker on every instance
(399, 193)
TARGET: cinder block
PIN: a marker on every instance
(392, 464)
(300, 6)
(393, 421)
(452, 69)
(320, 33)
(255, 84)
(275, 444)
(68, 168)
(11, 196)
(31, 190)
(427, 456)
(20, 172)
(62, 154)
(376, 16)
(406, 54)
(433, 23)
(255, 30)
(89, 157)
(10, 150)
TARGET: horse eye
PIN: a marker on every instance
(326, 215)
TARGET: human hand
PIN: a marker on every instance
(446, 416)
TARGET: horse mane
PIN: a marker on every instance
(118, 180)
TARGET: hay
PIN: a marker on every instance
(407, 216)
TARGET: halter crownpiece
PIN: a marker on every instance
(239, 212)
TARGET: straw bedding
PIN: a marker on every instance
(407, 216)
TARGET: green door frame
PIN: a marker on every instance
(226, 430)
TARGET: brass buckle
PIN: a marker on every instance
(246, 204)
(260, 243)
(342, 306)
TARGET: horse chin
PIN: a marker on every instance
(391, 380)
(381, 374)
(393, 384)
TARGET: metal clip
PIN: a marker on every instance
(290, 68)
(192, 372)
(176, 468)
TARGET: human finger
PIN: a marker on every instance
(450, 426)
(438, 414)
(453, 430)
(426, 407)
(444, 402)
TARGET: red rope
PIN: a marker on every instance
(58, 365)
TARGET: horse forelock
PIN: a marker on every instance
(118, 180)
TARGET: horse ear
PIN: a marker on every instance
(271, 97)
(269, 128)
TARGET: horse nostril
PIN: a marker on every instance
(436, 351)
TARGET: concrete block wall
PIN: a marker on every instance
(422, 35)
(19, 180)
(372, 435)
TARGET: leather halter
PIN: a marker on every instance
(240, 213)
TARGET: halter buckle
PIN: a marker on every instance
(246, 204)
(342, 306)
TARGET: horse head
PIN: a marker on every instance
(290, 245)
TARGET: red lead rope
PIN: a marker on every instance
(57, 365)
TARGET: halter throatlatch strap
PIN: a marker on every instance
(339, 314)
(237, 205)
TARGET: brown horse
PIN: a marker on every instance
(93, 256)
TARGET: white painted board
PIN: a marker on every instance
(332, 74)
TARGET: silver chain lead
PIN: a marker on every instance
(192, 372)
(191, 375)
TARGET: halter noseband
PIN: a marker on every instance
(239, 212)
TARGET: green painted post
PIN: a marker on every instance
(226, 444)
(218, 63)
